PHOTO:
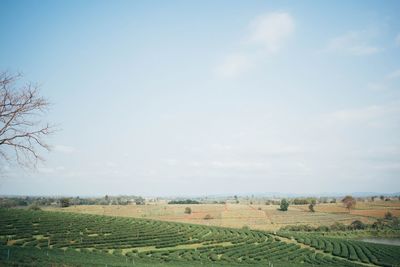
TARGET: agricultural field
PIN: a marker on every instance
(42, 238)
(377, 254)
(257, 216)
(375, 209)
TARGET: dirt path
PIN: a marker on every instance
(269, 220)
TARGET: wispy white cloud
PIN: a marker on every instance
(271, 30)
(393, 75)
(354, 43)
(267, 35)
(386, 82)
(234, 65)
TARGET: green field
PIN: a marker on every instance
(39, 238)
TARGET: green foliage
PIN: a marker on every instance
(353, 250)
(187, 201)
(284, 205)
(357, 225)
(388, 216)
(64, 202)
(34, 207)
(139, 201)
(311, 207)
(188, 210)
(304, 201)
(381, 224)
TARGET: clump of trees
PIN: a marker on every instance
(10, 202)
(303, 201)
(188, 210)
(388, 222)
(140, 201)
(219, 202)
(187, 201)
(357, 225)
(64, 202)
(284, 205)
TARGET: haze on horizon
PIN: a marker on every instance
(204, 97)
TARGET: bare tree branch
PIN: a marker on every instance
(21, 127)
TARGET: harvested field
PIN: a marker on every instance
(376, 209)
(262, 217)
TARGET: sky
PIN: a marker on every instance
(161, 98)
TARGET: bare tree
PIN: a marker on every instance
(21, 127)
(349, 202)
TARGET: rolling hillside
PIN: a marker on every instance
(44, 238)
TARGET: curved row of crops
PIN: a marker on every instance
(152, 241)
(249, 253)
(378, 254)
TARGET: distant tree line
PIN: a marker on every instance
(388, 222)
(186, 201)
(304, 201)
(10, 202)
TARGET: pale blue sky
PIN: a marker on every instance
(206, 97)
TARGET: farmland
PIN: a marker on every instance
(45, 238)
(257, 216)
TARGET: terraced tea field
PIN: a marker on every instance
(41, 238)
(377, 254)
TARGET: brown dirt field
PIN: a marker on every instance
(378, 205)
(262, 217)
(375, 213)
(331, 208)
(376, 209)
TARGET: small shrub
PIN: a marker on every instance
(64, 202)
(34, 207)
(357, 225)
(188, 210)
(311, 207)
(388, 216)
(208, 217)
(284, 205)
